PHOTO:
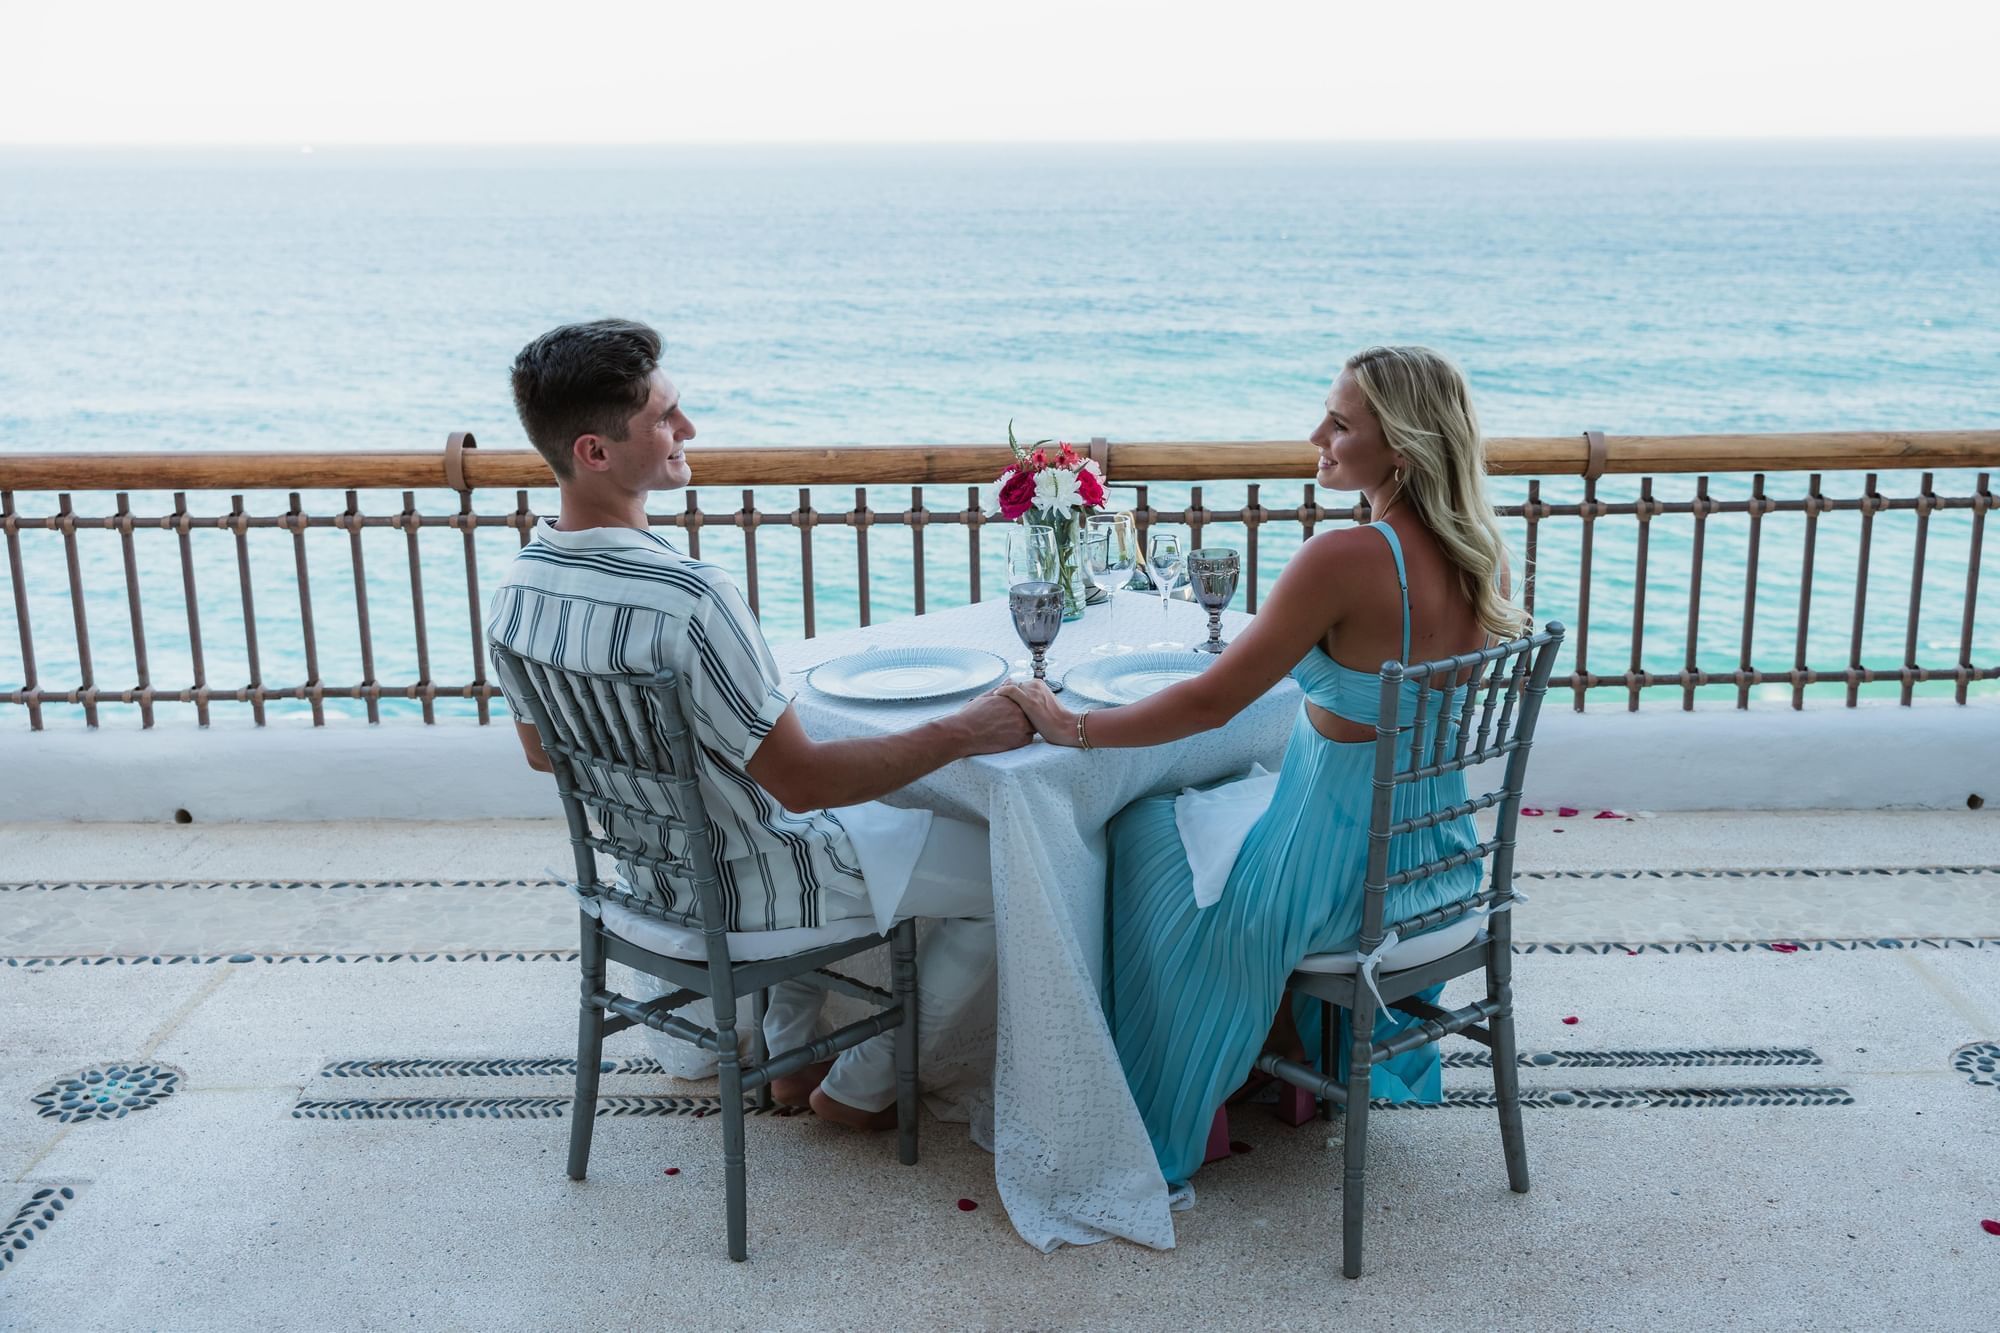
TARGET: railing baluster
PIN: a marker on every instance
(1869, 500)
(1194, 518)
(1635, 671)
(1805, 593)
(183, 525)
(66, 522)
(296, 522)
(1744, 671)
(1926, 500)
(919, 517)
(1589, 516)
(973, 535)
(1532, 511)
(1692, 666)
(240, 522)
(692, 524)
(1253, 519)
(30, 682)
(351, 520)
(746, 518)
(1982, 501)
(125, 545)
(481, 694)
(860, 518)
(804, 516)
(425, 689)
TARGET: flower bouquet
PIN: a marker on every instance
(1056, 488)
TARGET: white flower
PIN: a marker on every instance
(1055, 489)
(989, 495)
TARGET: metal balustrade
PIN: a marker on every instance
(74, 527)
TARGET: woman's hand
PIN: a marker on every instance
(1056, 723)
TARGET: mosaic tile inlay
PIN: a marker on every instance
(1979, 1062)
(1755, 947)
(109, 1092)
(519, 1067)
(1641, 1059)
(31, 1220)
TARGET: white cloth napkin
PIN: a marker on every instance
(1214, 823)
(888, 842)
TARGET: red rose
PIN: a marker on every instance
(1088, 488)
(1017, 493)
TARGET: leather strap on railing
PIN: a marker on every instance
(1600, 453)
(1100, 454)
(455, 446)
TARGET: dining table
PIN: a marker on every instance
(1072, 1160)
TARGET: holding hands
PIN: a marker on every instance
(1058, 725)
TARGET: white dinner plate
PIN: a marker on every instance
(901, 675)
(1130, 677)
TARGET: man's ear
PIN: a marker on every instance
(588, 452)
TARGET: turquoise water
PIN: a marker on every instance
(374, 300)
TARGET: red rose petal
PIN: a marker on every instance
(1567, 811)
(1609, 814)
(1990, 1227)
(1239, 1147)
(966, 1205)
(1531, 810)
(1631, 953)
(1572, 1020)
(1783, 948)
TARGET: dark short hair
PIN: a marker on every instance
(583, 379)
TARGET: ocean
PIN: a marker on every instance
(370, 299)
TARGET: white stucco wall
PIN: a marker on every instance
(1874, 757)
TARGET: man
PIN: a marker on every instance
(801, 838)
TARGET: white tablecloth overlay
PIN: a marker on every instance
(1071, 1156)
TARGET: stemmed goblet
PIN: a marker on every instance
(1165, 559)
(1212, 572)
(1037, 608)
(1122, 549)
(1034, 597)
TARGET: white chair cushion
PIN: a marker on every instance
(1425, 948)
(745, 946)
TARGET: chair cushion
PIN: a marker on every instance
(745, 946)
(1413, 952)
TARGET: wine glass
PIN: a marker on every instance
(1123, 549)
(1212, 574)
(1031, 554)
(1037, 608)
(1165, 558)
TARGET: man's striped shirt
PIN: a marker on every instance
(623, 600)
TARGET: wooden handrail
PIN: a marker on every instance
(911, 465)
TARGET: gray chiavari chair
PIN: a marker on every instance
(623, 756)
(1504, 684)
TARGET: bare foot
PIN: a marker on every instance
(840, 1113)
(797, 1089)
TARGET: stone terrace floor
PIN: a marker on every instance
(1734, 1132)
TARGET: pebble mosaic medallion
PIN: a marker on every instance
(1979, 1062)
(108, 1092)
(31, 1220)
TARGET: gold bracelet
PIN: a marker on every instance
(1082, 741)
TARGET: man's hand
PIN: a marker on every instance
(993, 723)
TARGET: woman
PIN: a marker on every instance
(1195, 990)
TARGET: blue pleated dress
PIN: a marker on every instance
(1193, 990)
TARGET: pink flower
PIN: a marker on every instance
(1017, 493)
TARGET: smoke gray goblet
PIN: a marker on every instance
(1212, 573)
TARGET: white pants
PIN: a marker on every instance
(952, 887)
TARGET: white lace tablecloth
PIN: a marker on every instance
(1071, 1156)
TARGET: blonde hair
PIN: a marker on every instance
(1425, 409)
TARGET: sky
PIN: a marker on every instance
(217, 72)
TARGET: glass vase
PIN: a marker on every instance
(1069, 556)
